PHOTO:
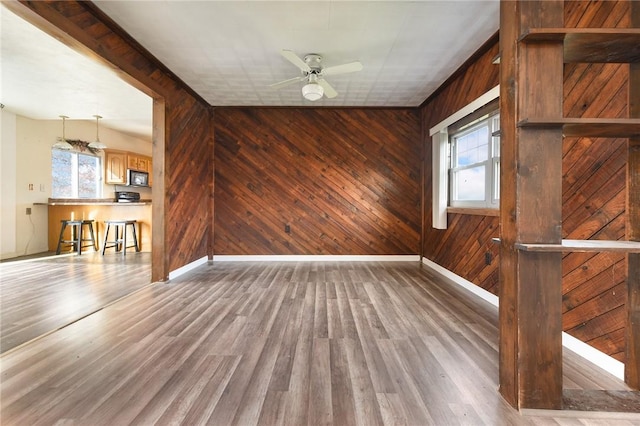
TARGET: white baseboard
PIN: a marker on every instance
(316, 258)
(188, 267)
(468, 285)
(591, 354)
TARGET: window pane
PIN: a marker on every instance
(75, 175)
(472, 147)
(62, 174)
(470, 184)
(88, 176)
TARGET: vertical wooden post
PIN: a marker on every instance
(632, 363)
(159, 253)
(212, 186)
(531, 77)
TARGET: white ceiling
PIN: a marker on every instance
(42, 78)
(229, 51)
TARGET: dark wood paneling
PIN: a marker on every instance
(594, 187)
(346, 181)
(182, 159)
(594, 176)
(189, 182)
(466, 244)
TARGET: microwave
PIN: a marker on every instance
(137, 178)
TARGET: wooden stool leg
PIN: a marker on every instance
(124, 239)
(106, 235)
(118, 238)
(62, 228)
(93, 237)
(79, 239)
(135, 237)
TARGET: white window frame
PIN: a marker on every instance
(440, 139)
(76, 177)
(492, 177)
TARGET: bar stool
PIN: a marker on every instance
(119, 241)
(77, 239)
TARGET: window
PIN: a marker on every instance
(474, 172)
(460, 121)
(75, 175)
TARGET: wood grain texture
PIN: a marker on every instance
(593, 186)
(632, 370)
(530, 209)
(462, 247)
(42, 295)
(281, 343)
(346, 181)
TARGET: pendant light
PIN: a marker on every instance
(62, 142)
(97, 144)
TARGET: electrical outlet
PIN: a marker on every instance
(42, 187)
(28, 211)
(30, 187)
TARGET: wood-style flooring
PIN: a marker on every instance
(43, 294)
(282, 343)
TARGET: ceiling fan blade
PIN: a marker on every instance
(286, 82)
(295, 60)
(329, 91)
(342, 69)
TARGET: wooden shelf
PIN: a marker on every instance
(583, 246)
(588, 127)
(592, 45)
(580, 246)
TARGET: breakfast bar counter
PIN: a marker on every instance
(99, 210)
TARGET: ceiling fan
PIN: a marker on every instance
(313, 73)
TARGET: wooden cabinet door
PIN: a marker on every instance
(132, 162)
(143, 164)
(115, 167)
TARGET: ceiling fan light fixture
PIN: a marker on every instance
(312, 91)
(62, 142)
(97, 144)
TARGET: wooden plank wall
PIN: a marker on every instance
(463, 246)
(346, 181)
(187, 150)
(189, 181)
(593, 189)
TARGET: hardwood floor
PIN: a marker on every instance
(45, 293)
(288, 343)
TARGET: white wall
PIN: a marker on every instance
(7, 184)
(26, 161)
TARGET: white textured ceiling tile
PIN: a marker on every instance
(216, 46)
(348, 15)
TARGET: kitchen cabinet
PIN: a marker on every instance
(138, 162)
(115, 167)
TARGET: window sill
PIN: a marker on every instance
(474, 211)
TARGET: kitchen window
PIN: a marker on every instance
(75, 175)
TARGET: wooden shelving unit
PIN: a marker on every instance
(532, 128)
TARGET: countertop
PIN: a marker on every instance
(91, 202)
